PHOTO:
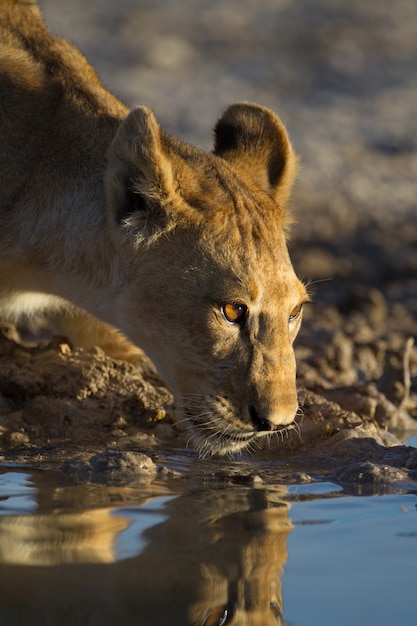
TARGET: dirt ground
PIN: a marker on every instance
(343, 76)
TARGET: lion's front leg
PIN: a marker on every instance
(81, 329)
(85, 331)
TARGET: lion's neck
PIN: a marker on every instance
(62, 247)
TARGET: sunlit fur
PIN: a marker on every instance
(126, 237)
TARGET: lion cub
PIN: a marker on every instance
(104, 216)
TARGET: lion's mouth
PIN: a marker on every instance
(217, 436)
(247, 436)
(239, 435)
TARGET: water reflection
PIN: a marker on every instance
(206, 557)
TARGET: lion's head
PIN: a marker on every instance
(208, 289)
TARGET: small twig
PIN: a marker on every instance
(407, 376)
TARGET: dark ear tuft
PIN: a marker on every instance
(254, 140)
(139, 180)
(132, 202)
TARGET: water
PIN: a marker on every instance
(352, 560)
(205, 550)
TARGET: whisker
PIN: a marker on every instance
(214, 428)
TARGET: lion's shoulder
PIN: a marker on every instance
(34, 62)
(53, 108)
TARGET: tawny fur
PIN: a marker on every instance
(107, 222)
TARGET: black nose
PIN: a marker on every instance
(260, 423)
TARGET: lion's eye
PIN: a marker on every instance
(295, 312)
(234, 313)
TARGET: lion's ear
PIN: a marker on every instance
(254, 140)
(139, 179)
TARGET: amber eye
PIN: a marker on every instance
(234, 313)
(295, 312)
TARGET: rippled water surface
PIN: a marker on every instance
(204, 549)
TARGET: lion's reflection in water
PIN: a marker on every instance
(215, 560)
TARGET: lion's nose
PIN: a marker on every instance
(260, 423)
(263, 424)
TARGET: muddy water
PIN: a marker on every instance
(213, 546)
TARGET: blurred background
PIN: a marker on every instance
(342, 74)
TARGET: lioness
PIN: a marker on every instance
(103, 214)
